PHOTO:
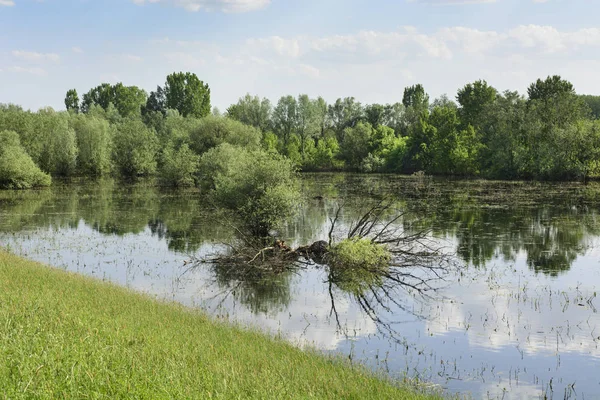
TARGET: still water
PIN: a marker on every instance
(515, 316)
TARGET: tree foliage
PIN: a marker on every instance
(186, 93)
(252, 111)
(17, 169)
(261, 188)
(212, 131)
(128, 100)
(135, 149)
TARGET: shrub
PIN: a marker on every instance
(262, 188)
(213, 131)
(17, 169)
(179, 166)
(357, 264)
(94, 138)
(135, 148)
(51, 142)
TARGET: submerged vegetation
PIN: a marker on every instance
(552, 133)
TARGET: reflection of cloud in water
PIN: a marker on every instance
(506, 310)
(514, 317)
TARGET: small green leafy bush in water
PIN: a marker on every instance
(356, 264)
(262, 188)
(17, 169)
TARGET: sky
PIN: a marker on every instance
(367, 49)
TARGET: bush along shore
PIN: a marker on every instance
(69, 336)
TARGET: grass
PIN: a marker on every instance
(67, 336)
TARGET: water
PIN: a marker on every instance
(516, 317)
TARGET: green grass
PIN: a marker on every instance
(67, 336)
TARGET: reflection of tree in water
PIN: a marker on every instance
(550, 222)
(260, 291)
(502, 219)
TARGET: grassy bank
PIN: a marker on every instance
(68, 336)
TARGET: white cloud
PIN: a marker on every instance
(233, 6)
(77, 50)
(32, 56)
(7, 3)
(550, 40)
(33, 70)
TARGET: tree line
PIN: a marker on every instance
(550, 133)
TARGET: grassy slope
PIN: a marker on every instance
(68, 336)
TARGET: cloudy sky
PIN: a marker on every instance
(369, 49)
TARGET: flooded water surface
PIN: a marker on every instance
(514, 315)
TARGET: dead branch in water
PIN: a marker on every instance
(417, 263)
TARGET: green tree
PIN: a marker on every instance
(72, 101)
(52, 143)
(285, 118)
(17, 169)
(420, 150)
(129, 100)
(306, 128)
(326, 154)
(593, 103)
(502, 137)
(179, 166)
(212, 131)
(135, 148)
(375, 114)
(187, 94)
(356, 144)
(94, 141)
(554, 102)
(394, 117)
(156, 103)
(252, 111)
(474, 98)
(321, 120)
(446, 123)
(261, 188)
(551, 87)
(416, 97)
(344, 113)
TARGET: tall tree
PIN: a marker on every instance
(375, 114)
(187, 94)
(285, 118)
(345, 113)
(554, 102)
(156, 102)
(305, 127)
(101, 95)
(321, 120)
(415, 96)
(72, 101)
(474, 98)
(251, 110)
(128, 100)
(551, 87)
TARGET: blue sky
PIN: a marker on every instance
(335, 48)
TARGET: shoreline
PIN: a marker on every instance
(68, 335)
